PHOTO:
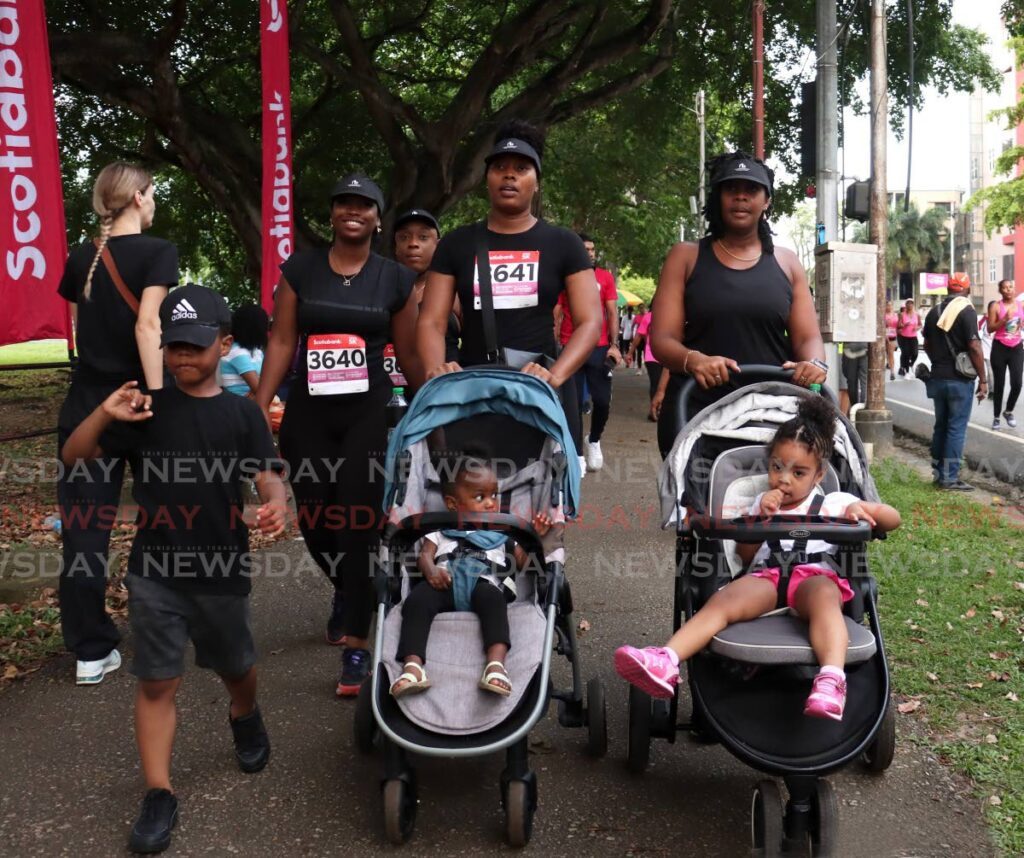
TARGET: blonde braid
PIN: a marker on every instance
(106, 225)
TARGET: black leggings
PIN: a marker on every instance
(599, 382)
(334, 452)
(424, 603)
(908, 352)
(88, 495)
(1006, 358)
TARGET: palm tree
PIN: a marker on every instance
(915, 240)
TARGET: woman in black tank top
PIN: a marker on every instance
(732, 298)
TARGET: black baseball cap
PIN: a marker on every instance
(418, 214)
(360, 186)
(514, 146)
(742, 168)
(193, 314)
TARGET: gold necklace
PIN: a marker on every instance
(346, 279)
(721, 244)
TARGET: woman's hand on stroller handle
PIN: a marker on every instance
(443, 369)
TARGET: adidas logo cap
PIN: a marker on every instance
(193, 314)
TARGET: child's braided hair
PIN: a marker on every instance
(814, 426)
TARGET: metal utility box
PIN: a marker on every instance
(846, 291)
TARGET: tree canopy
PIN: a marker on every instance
(411, 92)
(915, 240)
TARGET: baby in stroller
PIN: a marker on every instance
(463, 570)
(798, 454)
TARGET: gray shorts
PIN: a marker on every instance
(164, 619)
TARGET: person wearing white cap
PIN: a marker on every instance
(341, 306)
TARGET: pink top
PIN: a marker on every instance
(1010, 334)
(891, 321)
(641, 328)
(908, 325)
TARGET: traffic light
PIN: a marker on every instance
(858, 201)
(809, 130)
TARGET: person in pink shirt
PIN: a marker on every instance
(892, 321)
(906, 335)
(1004, 322)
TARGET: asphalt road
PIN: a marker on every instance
(70, 782)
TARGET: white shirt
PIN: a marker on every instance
(446, 546)
(834, 505)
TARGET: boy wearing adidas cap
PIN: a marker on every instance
(190, 446)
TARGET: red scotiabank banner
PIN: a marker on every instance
(278, 220)
(33, 244)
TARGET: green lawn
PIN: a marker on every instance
(42, 351)
(951, 581)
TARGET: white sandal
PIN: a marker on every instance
(502, 675)
(413, 684)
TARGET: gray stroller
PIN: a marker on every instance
(522, 423)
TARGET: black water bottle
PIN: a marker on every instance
(396, 408)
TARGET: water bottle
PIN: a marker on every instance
(814, 388)
(396, 408)
(53, 522)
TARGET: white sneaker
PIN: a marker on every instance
(592, 451)
(92, 672)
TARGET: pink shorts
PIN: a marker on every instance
(802, 573)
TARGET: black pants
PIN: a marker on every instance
(88, 495)
(1006, 358)
(571, 395)
(855, 371)
(653, 377)
(599, 381)
(424, 603)
(908, 352)
(334, 452)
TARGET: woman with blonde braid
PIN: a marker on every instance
(115, 284)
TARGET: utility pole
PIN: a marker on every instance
(759, 79)
(827, 178)
(874, 423)
(702, 193)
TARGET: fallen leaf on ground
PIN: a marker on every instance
(584, 626)
(10, 672)
(908, 707)
(999, 616)
(995, 800)
(921, 603)
(991, 739)
(998, 677)
(998, 656)
(975, 684)
(932, 676)
(1011, 697)
(970, 613)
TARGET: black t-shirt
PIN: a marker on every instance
(964, 329)
(189, 463)
(528, 273)
(344, 329)
(107, 349)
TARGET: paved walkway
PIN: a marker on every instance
(70, 783)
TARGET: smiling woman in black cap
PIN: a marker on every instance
(531, 263)
(733, 298)
(341, 306)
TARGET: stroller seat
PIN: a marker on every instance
(779, 637)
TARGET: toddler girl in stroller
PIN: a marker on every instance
(461, 570)
(797, 457)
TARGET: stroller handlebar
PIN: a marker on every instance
(762, 528)
(413, 527)
(750, 373)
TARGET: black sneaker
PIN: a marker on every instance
(152, 830)
(252, 744)
(355, 667)
(956, 486)
(335, 636)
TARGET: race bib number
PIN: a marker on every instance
(514, 278)
(392, 368)
(1012, 325)
(336, 364)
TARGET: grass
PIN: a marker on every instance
(952, 603)
(28, 634)
(41, 351)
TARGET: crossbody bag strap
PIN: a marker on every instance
(483, 267)
(115, 275)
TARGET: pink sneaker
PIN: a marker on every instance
(651, 669)
(827, 698)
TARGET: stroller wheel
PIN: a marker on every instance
(878, 756)
(519, 808)
(597, 719)
(364, 729)
(399, 810)
(638, 749)
(824, 821)
(766, 820)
